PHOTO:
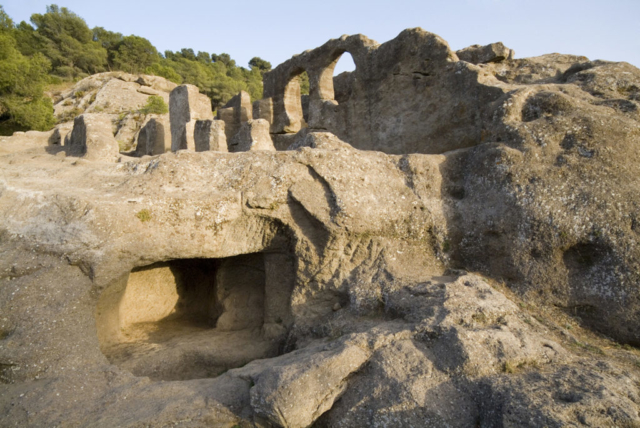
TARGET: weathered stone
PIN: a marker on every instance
(186, 105)
(394, 85)
(252, 135)
(210, 135)
(477, 54)
(60, 133)
(297, 389)
(283, 141)
(154, 137)
(117, 94)
(236, 112)
(148, 91)
(263, 109)
(328, 286)
(156, 82)
(92, 138)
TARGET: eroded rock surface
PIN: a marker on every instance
(92, 139)
(330, 286)
(117, 95)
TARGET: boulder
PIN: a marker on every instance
(253, 135)
(92, 139)
(210, 135)
(477, 54)
(186, 105)
(296, 389)
(154, 137)
(236, 112)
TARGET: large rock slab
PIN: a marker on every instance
(236, 112)
(210, 135)
(154, 137)
(477, 54)
(252, 135)
(92, 138)
(296, 389)
(186, 106)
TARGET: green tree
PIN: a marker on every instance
(22, 82)
(134, 54)
(224, 58)
(68, 42)
(260, 64)
(163, 70)
(203, 57)
(108, 39)
(6, 23)
(188, 54)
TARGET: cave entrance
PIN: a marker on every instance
(196, 318)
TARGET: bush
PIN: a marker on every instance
(155, 105)
(69, 115)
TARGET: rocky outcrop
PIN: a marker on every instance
(92, 139)
(494, 52)
(117, 95)
(328, 285)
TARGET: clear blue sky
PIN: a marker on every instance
(276, 30)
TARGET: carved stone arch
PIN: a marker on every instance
(292, 101)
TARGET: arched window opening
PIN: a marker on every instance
(304, 95)
(343, 77)
(293, 101)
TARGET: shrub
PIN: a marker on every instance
(144, 215)
(155, 105)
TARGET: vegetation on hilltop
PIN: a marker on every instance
(58, 46)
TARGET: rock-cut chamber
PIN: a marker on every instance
(196, 318)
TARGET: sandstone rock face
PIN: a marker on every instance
(92, 139)
(116, 94)
(253, 135)
(330, 286)
(186, 106)
(210, 135)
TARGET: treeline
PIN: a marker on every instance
(58, 46)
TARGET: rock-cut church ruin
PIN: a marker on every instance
(437, 238)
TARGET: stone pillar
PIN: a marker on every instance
(263, 109)
(186, 105)
(154, 138)
(92, 138)
(236, 112)
(253, 135)
(210, 135)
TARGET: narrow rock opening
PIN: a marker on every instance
(196, 318)
(296, 101)
(343, 77)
